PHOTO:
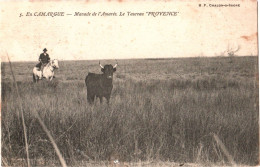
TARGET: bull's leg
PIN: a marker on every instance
(90, 99)
(101, 99)
(108, 98)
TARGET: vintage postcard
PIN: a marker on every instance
(129, 83)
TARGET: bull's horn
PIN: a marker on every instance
(115, 64)
(100, 65)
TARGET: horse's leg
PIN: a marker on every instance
(40, 75)
(50, 78)
(52, 75)
(47, 78)
(34, 79)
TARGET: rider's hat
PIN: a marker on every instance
(44, 49)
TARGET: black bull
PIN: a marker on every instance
(100, 85)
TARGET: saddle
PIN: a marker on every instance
(42, 67)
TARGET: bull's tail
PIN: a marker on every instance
(34, 79)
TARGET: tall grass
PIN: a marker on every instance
(22, 113)
(147, 119)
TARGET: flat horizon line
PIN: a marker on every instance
(161, 58)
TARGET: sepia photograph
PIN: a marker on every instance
(121, 83)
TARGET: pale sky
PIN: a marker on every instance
(195, 31)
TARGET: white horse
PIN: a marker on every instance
(47, 72)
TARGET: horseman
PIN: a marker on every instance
(44, 59)
(46, 67)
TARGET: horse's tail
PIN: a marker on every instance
(34, 79)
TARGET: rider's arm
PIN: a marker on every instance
(48, 57)
(40, 58)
